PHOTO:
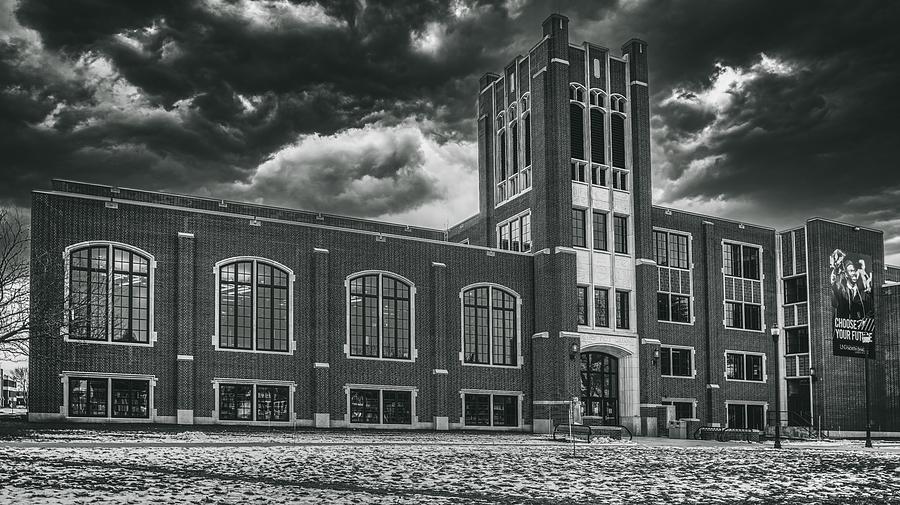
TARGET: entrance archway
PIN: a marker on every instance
(600, 386)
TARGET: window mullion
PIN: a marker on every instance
(110, 274)
(380, 316)
(490, 325)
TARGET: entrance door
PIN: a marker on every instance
(600, 386)
(798, 404)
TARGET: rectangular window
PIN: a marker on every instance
(795, 290)
(683, 410)
(130, 398)
(478, 410)
(797, 340)
(526, 232)
(515, 234)
(746, 416)
(273, 403)
(599, 231)
(527, 138)
(676, 362)
(601, 307)
(620, 180)
(598, 175)
(579, 171)
(236, 402)
(743, 287)
(397, 407)
(506, 410)
(673, 297)
(581, 293)
(365, 406)
(491, 410)
(578, 231)
(744, 367)
(622, 310)
(620, 234)
(88, 397)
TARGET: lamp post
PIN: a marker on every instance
(775, 333)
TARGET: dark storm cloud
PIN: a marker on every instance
(216, 94)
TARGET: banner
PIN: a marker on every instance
(853, 304)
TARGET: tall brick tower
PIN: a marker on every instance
(564, 172)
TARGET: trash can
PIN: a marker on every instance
(678, 429)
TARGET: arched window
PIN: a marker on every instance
(490, 326)
(380, 316)
(600, 386)
(527, 138)
(501, 150)
(598, 99)
(576, 131)
(617, 127)
(598, 149)
(526, 102)
(253, 305)
(576, 92)
(110, 293)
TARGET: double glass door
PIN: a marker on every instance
(600, 386)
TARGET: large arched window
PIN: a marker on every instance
(110, 292)
(490, 326)
(600, 386)
(253, 305)
(380, 316)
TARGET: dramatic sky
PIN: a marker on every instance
(768, 112)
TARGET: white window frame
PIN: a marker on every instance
(491, 393)
(765, 406)
(765, 368)
(151, 407)
(292, 419)
(292, 344)
(690, 271)
(462, 325)
(517, 217)
(762, 291)
(414, 418)
(413, 352)
(151, 296)
(680, 347)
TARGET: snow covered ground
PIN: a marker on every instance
(98, 467)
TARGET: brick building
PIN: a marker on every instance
(567, 283)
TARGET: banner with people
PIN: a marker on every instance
(853, 303)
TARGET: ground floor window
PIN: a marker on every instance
(749, 416)
(683, 409)
(254, 402)
(488, 409)
(380, 406)
(108, 397)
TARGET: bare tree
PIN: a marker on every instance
(15, 242)
(20, 375)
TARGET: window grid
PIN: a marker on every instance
(515, 234)
(623, 310)
(620, 234)
(742, 272)
(599, 231)
(578, 231)
(581, 292)
(676, 361)
(601, 307)
(109, 294)
(674, 276)
(490, 327)
(490, 410)
(254, 402)
(380, 311)
(254, 306)
(744, 367)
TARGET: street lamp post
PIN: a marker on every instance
(775, 333)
